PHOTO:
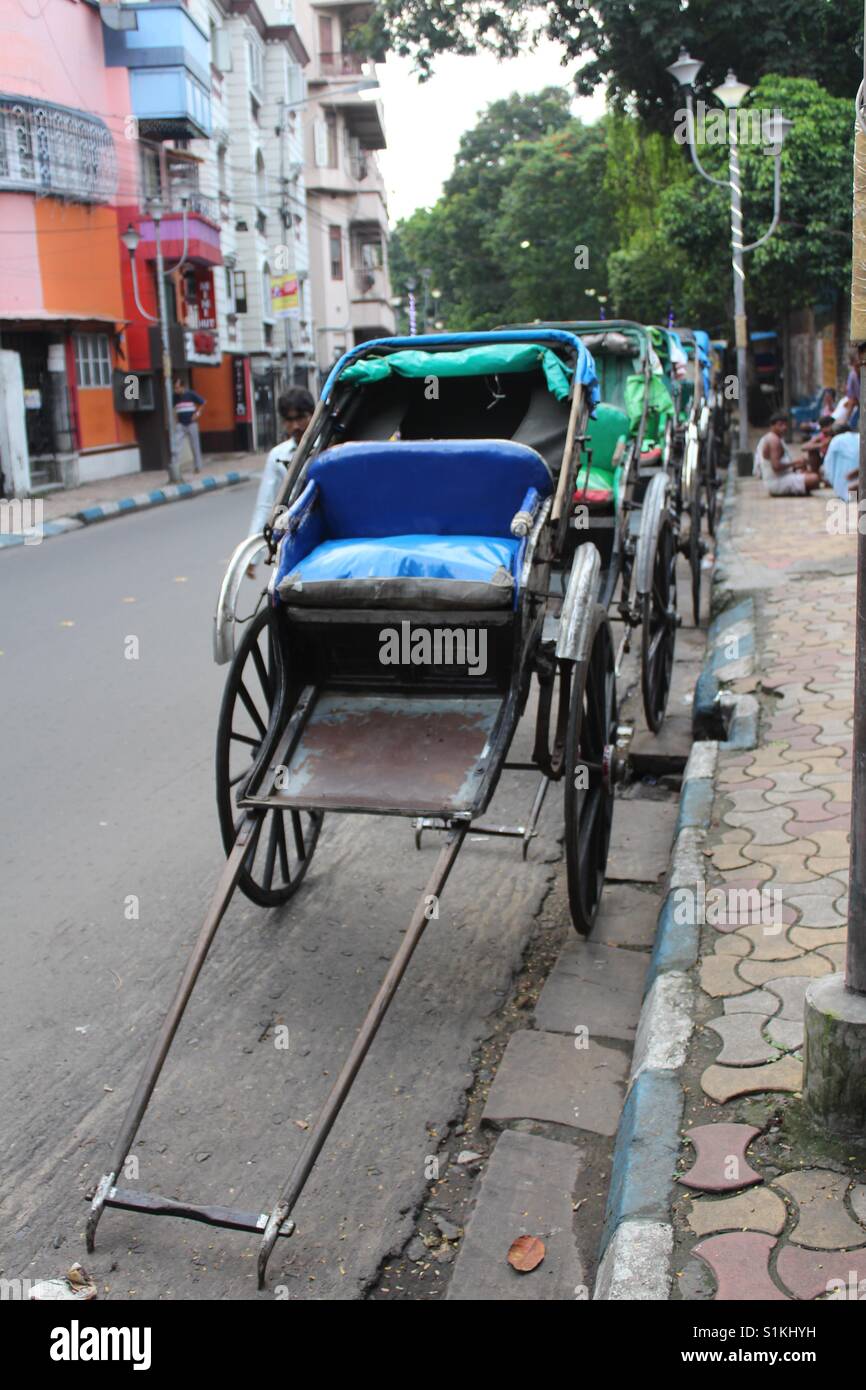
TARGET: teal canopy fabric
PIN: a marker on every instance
(485, 360)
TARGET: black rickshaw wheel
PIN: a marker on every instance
(283, 841)
(589, 747)
(659, 628)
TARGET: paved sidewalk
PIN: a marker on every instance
(764, 1207)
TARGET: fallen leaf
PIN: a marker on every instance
(525, 1253)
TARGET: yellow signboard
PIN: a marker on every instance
(285, 297)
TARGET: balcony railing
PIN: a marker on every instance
(55, 150)
(341, 64)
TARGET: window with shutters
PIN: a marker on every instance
(335, 245)
(92, 360)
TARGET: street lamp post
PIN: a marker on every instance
(411, 285)
(731, 94)
(131, 239)
(173, 467)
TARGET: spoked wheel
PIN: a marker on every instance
(659, 627)
(589, 752)
(283, 842)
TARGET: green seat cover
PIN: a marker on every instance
(605, 431)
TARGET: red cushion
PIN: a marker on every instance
(594, 495)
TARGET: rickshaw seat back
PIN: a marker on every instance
(606, 432)
(425, 487)
(411, 523)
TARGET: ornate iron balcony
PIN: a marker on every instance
(56, 151)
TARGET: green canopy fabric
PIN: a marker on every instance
(486, 360)
(659, 407)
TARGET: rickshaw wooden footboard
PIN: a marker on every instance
(275, 1223)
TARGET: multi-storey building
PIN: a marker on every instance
(231, 139)
(348, 221)
(67, 165)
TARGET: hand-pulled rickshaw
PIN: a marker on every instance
(624, 500)
(683, 369)
(424, 521)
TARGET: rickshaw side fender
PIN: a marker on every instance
(655, 503)
(578, 607)
(227, 603)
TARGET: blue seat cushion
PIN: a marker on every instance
(414, 571)
(452, 487)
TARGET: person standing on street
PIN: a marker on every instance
(188, 405)
(295, 408)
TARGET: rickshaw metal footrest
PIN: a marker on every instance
(229, 1217)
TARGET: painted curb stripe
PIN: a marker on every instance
(140, 502)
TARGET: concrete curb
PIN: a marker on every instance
(637, 1241)
(104, 511)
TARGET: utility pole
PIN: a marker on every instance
(285, 215)
(173, 468)
(834, 1059)
(730, 94)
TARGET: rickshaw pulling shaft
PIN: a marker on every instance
(277, 1223)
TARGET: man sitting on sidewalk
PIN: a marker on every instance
(782, 476)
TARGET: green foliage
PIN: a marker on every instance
(809, 257)
(557, 203)
(527, 172)
(626, 46)
(531, 185)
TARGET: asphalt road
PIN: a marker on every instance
(108, 853)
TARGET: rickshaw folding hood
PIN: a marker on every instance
(461, 355)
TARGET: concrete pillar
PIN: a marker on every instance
(834, 1090)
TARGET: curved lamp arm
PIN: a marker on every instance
(172, 268)
(721, 183)
(777, 207)
(151, 318)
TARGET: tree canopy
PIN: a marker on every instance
(540, 209)
(625, 46)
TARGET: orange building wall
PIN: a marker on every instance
(98, 422)
(79, 259)
(216, 385)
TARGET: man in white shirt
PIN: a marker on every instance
(295, 407)
(782, 476)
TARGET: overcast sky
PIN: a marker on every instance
(424, 121)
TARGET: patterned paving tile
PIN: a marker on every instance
(769, 942)
(813, 1274)
(757, 1001)
(724, 1083)
(766, 826)
(760, 972)
(720, 1158)
(740, 1265)
(718, 976)
(758, 1209)
(743, 1040)
(792, 993)
(786, 1033)
(822, 1222)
